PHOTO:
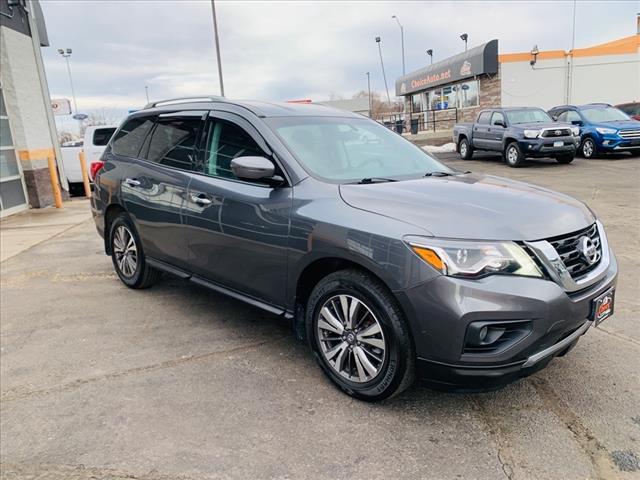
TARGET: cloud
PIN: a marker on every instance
(286, 50)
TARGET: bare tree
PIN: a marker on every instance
(380, 107)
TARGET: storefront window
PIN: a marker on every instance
(468, 94)
(416, 102)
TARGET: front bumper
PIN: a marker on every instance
(544, 147)
(440, 312)
(615, 143)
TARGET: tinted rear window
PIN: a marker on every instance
(484, 117)
(129, 138)
(102, 136)
(173, 141)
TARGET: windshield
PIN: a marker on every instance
(527, 116)
(606, 114)
(352, 149)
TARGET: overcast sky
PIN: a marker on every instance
(290, 50)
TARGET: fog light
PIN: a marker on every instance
(606, 142)
(483, 334)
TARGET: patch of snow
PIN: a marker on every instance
(446, 148)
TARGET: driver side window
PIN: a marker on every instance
(226, 141)
(497, 118)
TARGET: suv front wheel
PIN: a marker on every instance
(127, 255)
(588, 148)
(359, 336)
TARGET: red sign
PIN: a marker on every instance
(430, 79)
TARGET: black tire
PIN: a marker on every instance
(465, 149)
(564, 159)
(143, 275)
(588, 148)
(513, 155)
(396, 371)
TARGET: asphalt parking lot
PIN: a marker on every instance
(176, 382)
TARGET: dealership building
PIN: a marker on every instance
(457, 88)
(28, 139)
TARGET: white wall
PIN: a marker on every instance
(612, 79)
(606, 79)
(22, 92)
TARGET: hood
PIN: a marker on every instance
(620, 124)
(540, 125)
(471, 206)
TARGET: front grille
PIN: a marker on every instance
(567, 247)
(557, 132)
(629, 134)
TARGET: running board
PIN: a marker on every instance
(165, 267)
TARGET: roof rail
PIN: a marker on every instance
(562, 106)
(600, 103)
(170, 101)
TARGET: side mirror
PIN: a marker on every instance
(253, 168)
(500, 123)
(576, 122)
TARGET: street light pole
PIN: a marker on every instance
(401, 40)
(430, 53)
(215, 33)
(369, 90)
(384, 75)
(66, 53)
(464, 37)
(146, 92)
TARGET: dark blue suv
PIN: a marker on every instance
(603, 128)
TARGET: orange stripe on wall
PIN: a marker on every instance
(621, 46)
(36, 154)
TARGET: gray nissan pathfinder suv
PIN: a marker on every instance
(390, 264)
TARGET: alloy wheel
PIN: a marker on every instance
(125, 251)
(512, 155)
(351, 338)
(463, 149)
(587, 148)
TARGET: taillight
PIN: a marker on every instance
(95, 168)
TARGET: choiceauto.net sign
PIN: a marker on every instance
(477, 61)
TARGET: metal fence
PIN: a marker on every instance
(419, 121)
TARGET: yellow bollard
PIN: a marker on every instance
(85, 175)
(53, 174)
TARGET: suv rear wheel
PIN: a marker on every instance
(127, 255)
(359, 336)
(513, 155)
(465, 150)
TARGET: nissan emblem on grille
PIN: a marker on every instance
(588, 250)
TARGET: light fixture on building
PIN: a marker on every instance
(464, 37)
(430, 53)
(534, 55)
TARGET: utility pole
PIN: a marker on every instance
(215, 33)
(402, 41)
(384, 75)
(369, 91)
(570, 60)
(146, 92)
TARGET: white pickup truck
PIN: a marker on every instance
(95, 140)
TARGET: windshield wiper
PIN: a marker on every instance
(377, 180)
(439, 174)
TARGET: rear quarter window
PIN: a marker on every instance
(101, 136)
(129, 139)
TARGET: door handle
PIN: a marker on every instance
(201, 200)
(132, 182)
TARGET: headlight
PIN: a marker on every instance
(606, 131)
(531, 133)
(473, 259)
(575, 131)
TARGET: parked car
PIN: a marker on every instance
(517, 133)
(632, 109)
(603, 128)
(95, 141)
(387, 262)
